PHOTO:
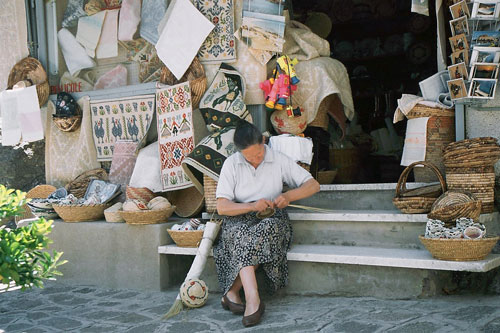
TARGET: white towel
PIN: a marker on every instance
(108, 43)
(74, 54)
(297, 148)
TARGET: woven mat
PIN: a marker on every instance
(120, 119)
(175, 134)
(68, 154)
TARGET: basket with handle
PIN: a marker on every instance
(415, 204)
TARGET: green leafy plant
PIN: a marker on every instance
(24, 260)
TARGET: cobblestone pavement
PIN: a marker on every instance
(64, 308)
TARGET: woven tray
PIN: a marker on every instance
(210, 187)
(452, 205)
(415, 204)
(147, 216)
(80, 213)
(186, 238)
(459, 249)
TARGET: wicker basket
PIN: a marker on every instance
(347, 163)
(68, 124)
(196, 77)
(31, 70)
(186, 238)
(326, 177)
(80, 213)
(210, 187)
(147, 216)
(415, 204)
(477, 152)
(482, 185)
(440, 132)
(78, 186)
(112, 214)
(140, 193)
(37, 192)
(453, 205)
(459, 249)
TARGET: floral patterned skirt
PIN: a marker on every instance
(246, 240)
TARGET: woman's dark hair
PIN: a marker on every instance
(246, 135)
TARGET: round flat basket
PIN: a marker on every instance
(80, 213)
(453, 205)
(31, 70)
(39, 191)
(459, 249)
(186, 238)
(147, 216)
(415, 204)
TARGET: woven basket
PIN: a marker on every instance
(37, 192)
(347, 163)
(415, 204)
(453, 205)
(210, 187)
(186, 238)
(459, 249)
(78, 186)
(189, 201)
(326, 177)
(68, 124)
(481, 185)
(477, 152)
(329, 103)
(196, 77)
(147, 216)
(140, 193)
(80, 213)
(112, 214)
(440, 132)
(31, 70)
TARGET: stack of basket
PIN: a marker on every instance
(469, 167)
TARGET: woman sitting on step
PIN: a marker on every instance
(251, 183)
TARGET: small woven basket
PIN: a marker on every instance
(459, 249)
(196, 77)
(210, 187)
(186, 238)
(39, 191)
(80, 213)
(415, 204)
(147, 216)
(78, 186)
(68, 124)
(453, 205)
(31, 70)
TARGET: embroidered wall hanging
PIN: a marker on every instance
(175, 134)
(220, 43)
(120, 119)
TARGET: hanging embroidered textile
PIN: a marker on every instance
(220, 44)
(126, 118)
(175, 134)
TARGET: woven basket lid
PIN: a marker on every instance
(453, 197)
(27, 69)
(188, 202)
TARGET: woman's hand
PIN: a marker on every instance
(281, 201)
(262, 204)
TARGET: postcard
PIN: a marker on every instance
(458, 42)
(485, 39)
(458, 71)
(490, 55)
(484, 71)
(459, 9)
(271, 7)
(459, 26)
(460, 56)
(482, 88)
(263, 32)
(457, 88)
(485, 9)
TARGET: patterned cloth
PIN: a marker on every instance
(122, 165)
(220, 43)
(175, 134)
(223, 103)
(152, 12)
(69, 154)
(246, 240)
(127, 118)
(208, 156)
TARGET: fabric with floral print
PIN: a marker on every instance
(220, 44)
(245, 240)
(175, 134)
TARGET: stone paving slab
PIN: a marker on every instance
(64, 308)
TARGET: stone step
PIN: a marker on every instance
(356, 196)
(373, 228)
(368, 256)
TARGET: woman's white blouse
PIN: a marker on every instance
(239, 181)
